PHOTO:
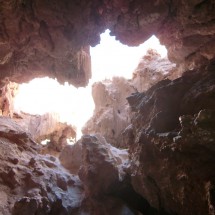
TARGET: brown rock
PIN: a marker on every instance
(173, 160)
(8, 92)
(36, 36)
(25, 206)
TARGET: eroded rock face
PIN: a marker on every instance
(188, 33)
(111, 114)
(8, 92)
(71, 157)
(31, 183)
(173, 160)
(107, 182)
(151, 69)
(102, 172)
(37, 41)
(102, 165)
(171, 143)
(48, 127)
(39, 38)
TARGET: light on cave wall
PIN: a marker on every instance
(75, 106)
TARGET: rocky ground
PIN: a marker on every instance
(32, 183)
(41, 39)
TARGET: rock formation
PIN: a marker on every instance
(171, 143)
(102, 165)
(31, 183)
(102, 169)
(8, 92)
(171, 135)
(151, 69)
(48, 127)
(111, 114)
(39, 38)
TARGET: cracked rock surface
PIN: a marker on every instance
(172, 143)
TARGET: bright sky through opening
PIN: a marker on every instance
(75, 106)
(111, 58)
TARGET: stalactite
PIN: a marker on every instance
(84, 62)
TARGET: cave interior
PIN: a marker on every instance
(149, 147)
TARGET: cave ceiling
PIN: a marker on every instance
(51, 38)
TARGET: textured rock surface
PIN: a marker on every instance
(152, 69)
(188, 32)
(8, 92)
(173, 158)
(101, 168)
(106, 181)
(101, 172)
(47, 127)
(171, 143)
(31, 183)
(71, 157)
(42, 39)
(111, 114)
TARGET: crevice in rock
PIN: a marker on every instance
(126, 192)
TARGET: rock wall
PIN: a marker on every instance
(171, 136)
(8, 92)
(171, 143)
(103, 171)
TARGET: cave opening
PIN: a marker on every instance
(75, 106)
(149, 145)
(60, 112)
